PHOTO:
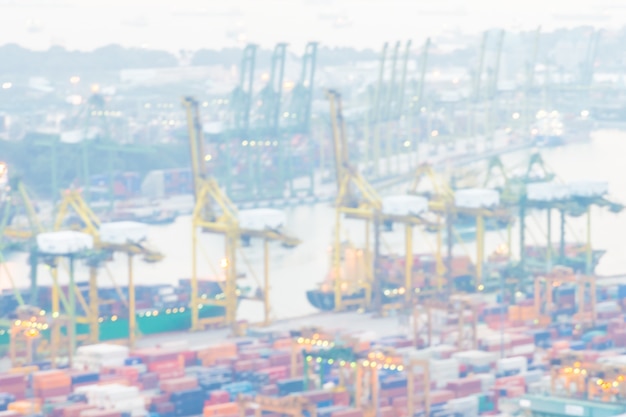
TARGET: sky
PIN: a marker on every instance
(196, 24)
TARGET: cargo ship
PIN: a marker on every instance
(160, 308)
(391, 276)
(391, 273)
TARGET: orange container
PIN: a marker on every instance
(25, 408)
(283, 344)
(51, 379)
(220, 409)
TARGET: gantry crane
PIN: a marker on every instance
(544, 285)
(356, 198)
(592, 379)
(17, 197)
(442, 202)
(457, 306)
(363, 366)
(209, 198)
(89, 223)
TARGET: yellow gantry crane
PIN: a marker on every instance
(442, 201)
(214, 212)
(356, 198)
(88, 222)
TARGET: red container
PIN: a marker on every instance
(261, 363)
(280, 359)
(179, 384)
(341, 398)
(9, 380)
(164, 366)
(226, 361)
(393, 392)
(149, 356)
(440, 397)
(53, 392)
(219, 397)
(318, 396)
(164, 408)
(510, 381)
(176, 373)
(249, 355)
(243, 366)
(387, 411)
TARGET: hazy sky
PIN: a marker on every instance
(193, 24)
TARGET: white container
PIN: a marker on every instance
(64, 243)
(518, 363)
(476, 198)
(547, 191)
(476, 358)
(528, 349)
(404, 205)
(261, 219)
(607, 307)
(588, 188)
(120, 233)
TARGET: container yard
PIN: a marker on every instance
(308, 229)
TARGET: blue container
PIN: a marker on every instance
(578, 345)
(324, 404)
(621, 291)
(328, 411)
(393, 382)
(85, 378)
(288, 386)
(132, 361)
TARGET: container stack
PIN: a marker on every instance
(95, 357)
(13, 385)
(47, 384)
(118, 398)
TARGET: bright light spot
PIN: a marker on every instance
(455, 81)
(289, 85)
(434, 133)
(208, 157)
(541, 114)
(75, 79)
(407, 143)
(224, 263)
(205, 104)
(286, 114)
(265, 77)
(436, 73)
(516, 115)
(584, 113)
(113, 318)
(481, 287)
(244, 143)
(95, 88)
(7, 85)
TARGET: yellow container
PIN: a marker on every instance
(24, 370)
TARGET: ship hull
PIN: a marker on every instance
(163, 322)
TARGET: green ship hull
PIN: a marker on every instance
(163, 322)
